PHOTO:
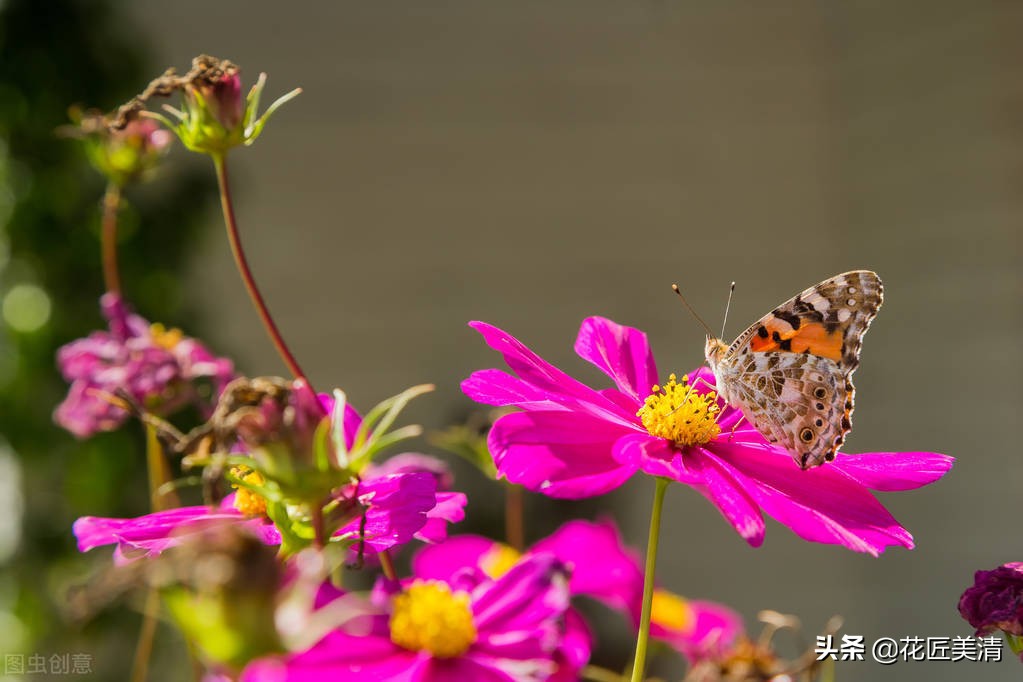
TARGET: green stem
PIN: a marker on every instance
(220, 162)
(514, 525)
(639, 665)
(108, 238)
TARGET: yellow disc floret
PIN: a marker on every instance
(167, 339)
(676, 411)
(246, 501)
(428, 616)
(671, 612)
(499, 560)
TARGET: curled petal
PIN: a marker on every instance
(623, 353)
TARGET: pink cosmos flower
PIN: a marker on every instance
(573, 441)
(154, 366)
(467, 627)
(399, 508)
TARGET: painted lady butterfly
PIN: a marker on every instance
(791, 373)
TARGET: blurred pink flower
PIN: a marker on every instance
(572, 441)
(699, 630)
(156, 367)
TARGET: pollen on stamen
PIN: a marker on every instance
(246, 501)
(428, 616)
(677, 412)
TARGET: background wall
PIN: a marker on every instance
(532, 163)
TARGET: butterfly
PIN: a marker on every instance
(790, 373)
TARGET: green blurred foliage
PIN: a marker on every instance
(54, 54)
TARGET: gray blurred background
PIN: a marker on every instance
(533, 163)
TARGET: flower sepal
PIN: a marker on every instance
(214, 117)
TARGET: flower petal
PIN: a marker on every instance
(450, 508)
(623, 353)
(441, 562)
(820, 504)
(530, 597)
(889, 471)
(730, 494)
(561, 454)
(556, 385)
(616, 579)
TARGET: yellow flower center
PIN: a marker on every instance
(677, 412)
(428, 616)
(247, 502)
(499, 560)
(671, 611)
(165, 338)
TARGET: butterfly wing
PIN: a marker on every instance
(791, 372)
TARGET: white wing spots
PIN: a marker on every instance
(844, 314)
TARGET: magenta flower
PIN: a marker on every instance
(399, 507)
(995, 602)
(468, 628)
(573, 441)
(156, 367)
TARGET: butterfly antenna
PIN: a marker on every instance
(731, 290)
(674, 287)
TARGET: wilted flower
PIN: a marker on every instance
(469, 628)
(573, 441)
(995, 602)
(157, 368)
(122, 155)
(743, 659)
(215, 116)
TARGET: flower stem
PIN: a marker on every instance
(108, 238)
(159, 474)
(639, 665)
(144, 647)
(514, 526)
(220, 162)
(319, 533)
(387, 564)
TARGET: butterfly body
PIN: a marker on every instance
(790, 373)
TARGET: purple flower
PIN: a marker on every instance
(572, 441)
(995, 602)
(469, 628)
(156, 367)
